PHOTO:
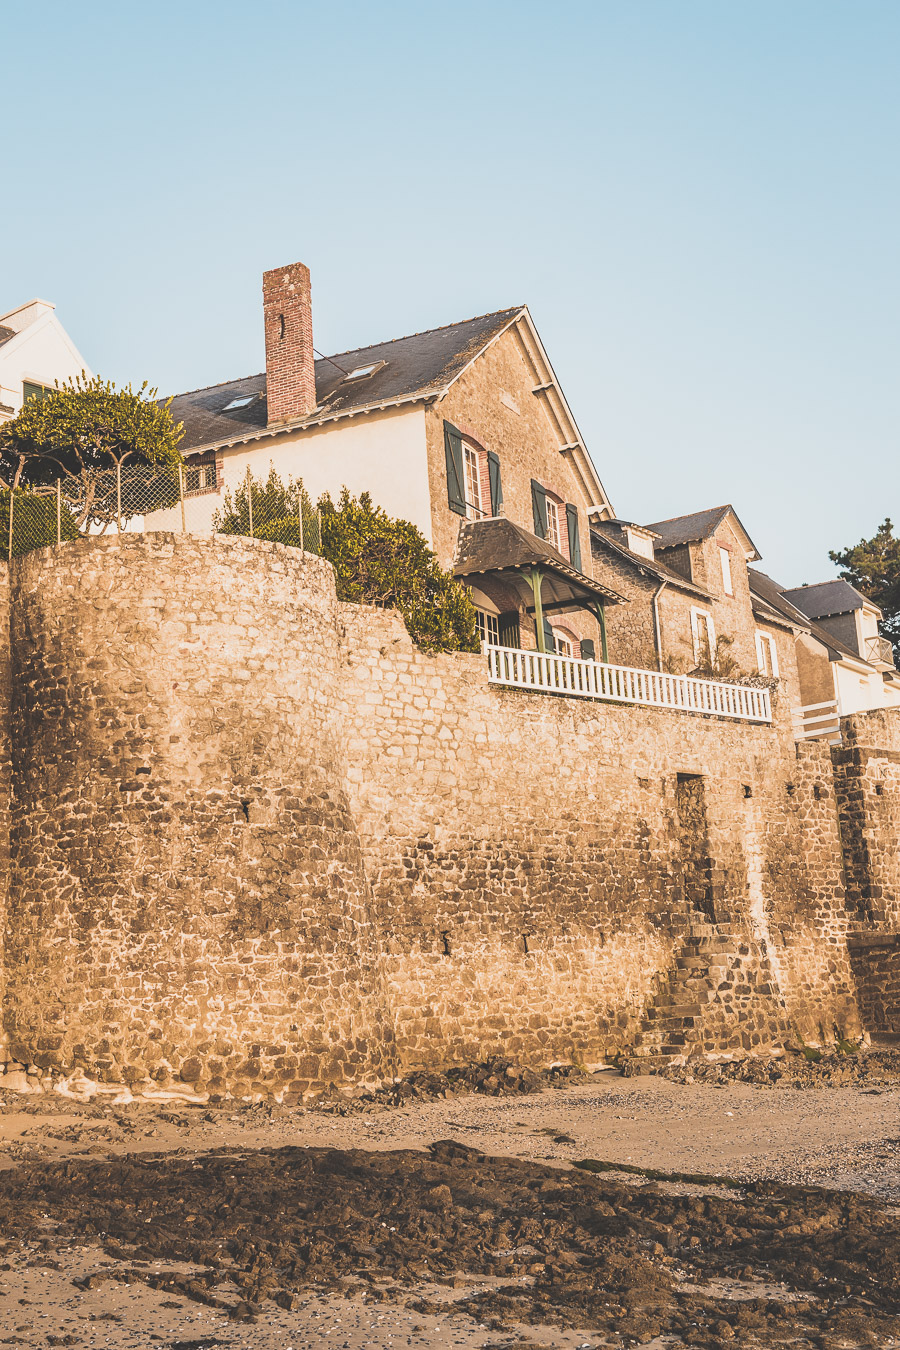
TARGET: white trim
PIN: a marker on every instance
(725, 564)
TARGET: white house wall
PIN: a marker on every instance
(383, 454)
(859, 692)
(41, 353)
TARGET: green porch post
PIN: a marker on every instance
(536, 578)
(600, 611)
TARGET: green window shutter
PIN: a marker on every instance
(508, 625)
(588, 650)
(549, 639)
(496, 488)
(30, 391)
(539, 507)
(574, 541)
(453, 453)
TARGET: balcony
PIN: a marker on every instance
(546, 674)
(879, 651)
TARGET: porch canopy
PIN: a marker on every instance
(516, 568)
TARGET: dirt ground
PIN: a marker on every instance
(463, 1221)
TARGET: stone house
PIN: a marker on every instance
(844, 665)
(35, 353)
(692, 607)
(463, 430)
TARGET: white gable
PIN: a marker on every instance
(40, 351)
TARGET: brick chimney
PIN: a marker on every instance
(290, 365)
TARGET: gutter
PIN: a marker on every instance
(657, 629)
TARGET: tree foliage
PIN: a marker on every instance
(275, 508)
(82, 433)
(379, 560)
(83, 426)
(873, 567)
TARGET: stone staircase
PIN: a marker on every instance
(719, 999)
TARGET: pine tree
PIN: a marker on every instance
(873, 567)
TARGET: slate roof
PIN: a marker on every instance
(826, 598)
(497, 545)
(6, 333)
(414, 367)
(690, 529)
(774, 597)
(777, 599)
(651, 565)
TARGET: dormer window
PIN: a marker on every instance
(364, 372)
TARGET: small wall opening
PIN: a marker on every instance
(693, 838)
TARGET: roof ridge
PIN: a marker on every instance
(686, 515)
(833, 581)
(424, 332)
(389, 342)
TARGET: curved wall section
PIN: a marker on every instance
(187, 896)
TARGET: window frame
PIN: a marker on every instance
(208, 477)
(725, 565)
(763, 641)
(697, 615)
(472, 456)
(554, 535)
(488, 627)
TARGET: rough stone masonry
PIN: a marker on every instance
(257, 843)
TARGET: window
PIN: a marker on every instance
(31, 390)
(472, 474)
(201, 477)
(241, 402)
(766, 655)
(564, 645)
(725, 560)
(704, 635)
(553, 524)
(363, 372)
(488, 627)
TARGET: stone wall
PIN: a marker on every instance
(187, 895)
(536, 880)
(262, 844)
(875, 958)
(867, 782)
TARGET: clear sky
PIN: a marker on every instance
(697, 198)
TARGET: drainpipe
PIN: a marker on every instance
(657, 627)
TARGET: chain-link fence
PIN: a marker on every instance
(184, 498)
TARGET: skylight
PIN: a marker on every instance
(360, 372)
(239, 402)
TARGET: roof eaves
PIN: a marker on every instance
(309, 423)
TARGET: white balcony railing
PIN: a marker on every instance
(817, 721)
(623, 684)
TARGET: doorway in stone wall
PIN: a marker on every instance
(693, 838)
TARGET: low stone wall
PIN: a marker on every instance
(261, 844)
